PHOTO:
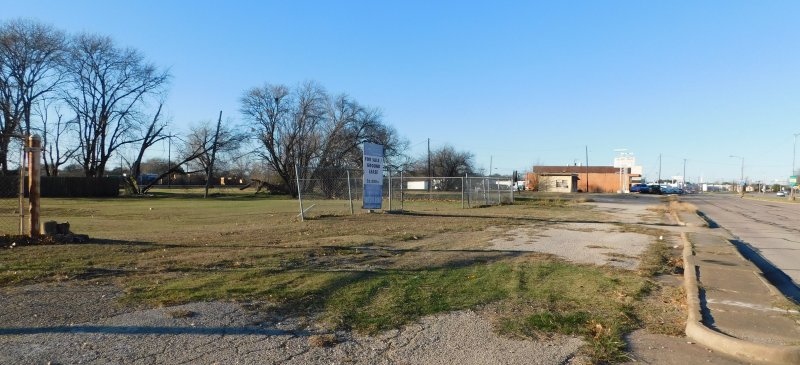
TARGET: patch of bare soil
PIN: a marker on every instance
(224, 332)
(591, 243)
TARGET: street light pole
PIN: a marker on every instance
(794, 152)
(794, 157)
(683, 183)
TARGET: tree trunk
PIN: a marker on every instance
(4, 142)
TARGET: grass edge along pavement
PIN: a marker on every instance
(696, 329)
(528, 297)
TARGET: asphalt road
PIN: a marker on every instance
(771, 228)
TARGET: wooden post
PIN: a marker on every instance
(34, 161)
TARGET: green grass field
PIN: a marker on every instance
(368, 272)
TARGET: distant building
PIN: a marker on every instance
(557, 183)
(600, 179)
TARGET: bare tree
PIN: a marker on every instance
(204, 140)
(153, 133)
(448, 162)
(196, 149)
(307, 127)
(109, 86)
(55, 154)
(348, 126)
(288, 126)
(30, 56)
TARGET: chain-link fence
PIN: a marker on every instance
(329, 190)
(340, 190)
(13, 202)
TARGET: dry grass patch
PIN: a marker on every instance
(326, 340)
(663, 311)
(367, 272)
(181, 313)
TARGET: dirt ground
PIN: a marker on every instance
(96, 331)
(589, 243)
(71, 322)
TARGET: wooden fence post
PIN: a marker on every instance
(34, 163)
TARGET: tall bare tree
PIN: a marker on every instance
(55, 153)
(152, 134)
(195, 150)
(288, 124)
(348, 126)
(109, 87)
(305, 126)
(209, 143)
(446, 161)
(31, 54)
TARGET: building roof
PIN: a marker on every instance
(559, 174)
(575, 169)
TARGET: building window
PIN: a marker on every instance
(558, 183)
(564, 183)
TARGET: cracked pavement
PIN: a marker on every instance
(771, 228)
(69, 323)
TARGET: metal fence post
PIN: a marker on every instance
(389, 172)
(34, 157)
(402, 197)
(469, 190)
(299, 194)
(350, 193)
(485, 188)
(499, 191)
(463, 187)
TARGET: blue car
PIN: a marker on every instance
(640, 188)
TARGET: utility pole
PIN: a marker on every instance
(587, 168)
(794, 152)
(659, 169)
(794, 156)
(683, 183)
(213, 155)
(169, 159)
(490, 165)
(430, 181)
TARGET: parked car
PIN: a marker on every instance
(781, 194)
(655, 189)
(640, 188)
(671, 190)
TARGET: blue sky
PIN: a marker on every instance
(515, 82)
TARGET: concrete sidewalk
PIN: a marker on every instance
(733, 309)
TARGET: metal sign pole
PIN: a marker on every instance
(299, 194)
(389, 172)
(402, 197)
(349, 194)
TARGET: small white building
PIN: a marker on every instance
(558, 183)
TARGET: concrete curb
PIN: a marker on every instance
(697, 331)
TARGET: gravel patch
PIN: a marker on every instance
(231, 333)
(58, 304)
(590, 243)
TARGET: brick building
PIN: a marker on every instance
(601, 179)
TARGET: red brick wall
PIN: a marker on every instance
(598, 182)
